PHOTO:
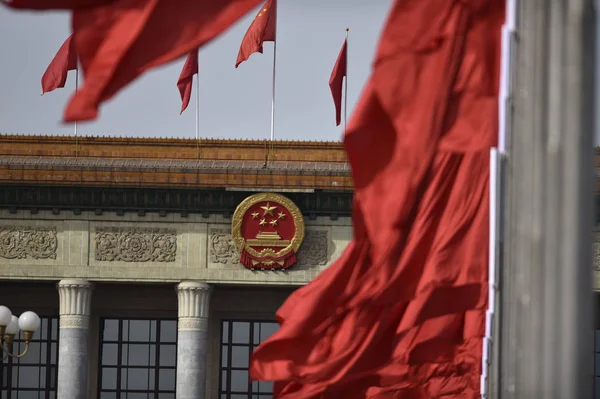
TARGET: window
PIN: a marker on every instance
(238, 340)
(34, 375)
(137, 359)
(597, 364)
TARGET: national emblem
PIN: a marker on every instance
(268, 229)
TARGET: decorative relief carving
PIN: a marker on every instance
(136, 244)
(596, 255)
(222, 248)
(192, 324)
(21, 242)
(314, 250)
(70, 321)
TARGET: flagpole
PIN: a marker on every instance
(76, 88)
(346, 85)
(198, 111)
(75, 124)
(273, 86)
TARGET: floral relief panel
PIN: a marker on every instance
(118, 244)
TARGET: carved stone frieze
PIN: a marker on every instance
(315, 249)
(136, 244)
(21, 242)
(221, 247)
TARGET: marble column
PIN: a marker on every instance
(75, 299)
(192, 337)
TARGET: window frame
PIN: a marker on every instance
(228, 392)
(121, 388)
(10, 365)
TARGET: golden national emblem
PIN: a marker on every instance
(268, 229)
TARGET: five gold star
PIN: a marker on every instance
(268, 209)
(281, 215)
(255, 215)
(262, 222)
(273, 222)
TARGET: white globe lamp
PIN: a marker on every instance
(28, 322)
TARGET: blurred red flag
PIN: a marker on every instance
(54, 4)
(401, 314)
(184, 83)
(337, 78)
(64, 61)
(118, 40)
(261, 30)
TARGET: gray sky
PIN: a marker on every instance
(234, 103)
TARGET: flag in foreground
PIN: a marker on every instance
(337, 78)
(401, 314)
(184, 83)
(118, 40)
(64, 61)
(261, 30)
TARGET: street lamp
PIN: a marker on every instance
(29, 322)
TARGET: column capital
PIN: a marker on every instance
(193, 299)
(75, 300)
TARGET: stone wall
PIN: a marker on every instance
(131, 247)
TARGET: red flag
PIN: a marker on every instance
(53, 4)
(119, 41)
(261, 30)
(335, 81)
(64, 61)
(401, 314)
(184, 83)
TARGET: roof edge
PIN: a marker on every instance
(162, 141)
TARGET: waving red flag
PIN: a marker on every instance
(117, 41)
(401, 314)
(54, 4)
(261, 30)
(337, 78)
(64, 61)
(184, 83)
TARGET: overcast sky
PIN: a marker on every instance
(234, 103)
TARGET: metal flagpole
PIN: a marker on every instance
(198, 110)
(76, 88)
(273, 88)
(346, 85)
(75, 124)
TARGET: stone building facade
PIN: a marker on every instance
(125, 249)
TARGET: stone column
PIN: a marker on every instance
(75, 299)
(192, 336)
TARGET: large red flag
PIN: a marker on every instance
(64, 61)
(118, 41)
(337, 78)
(263, 29)
(401, 314)
(184, 83)
(54, 4)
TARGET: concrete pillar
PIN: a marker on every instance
(192, 337)
(75, 299)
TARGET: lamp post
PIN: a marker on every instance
(28, 322)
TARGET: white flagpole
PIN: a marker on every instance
(76, 88)
(346, 85)
(273, 88)
(75, 124)
(198, 104)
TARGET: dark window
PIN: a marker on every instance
(34, 375)
(137, 359)
(238, 340)
(597, 364)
